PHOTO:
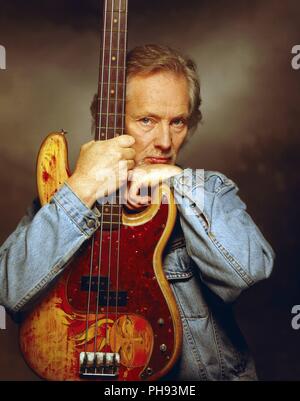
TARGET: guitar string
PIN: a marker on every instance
(107, 120)
(100, 251)
(124, 91)
(119, 208)
(89, 295)
(100, 103)
(122, 131)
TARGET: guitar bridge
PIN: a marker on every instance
(95, 364)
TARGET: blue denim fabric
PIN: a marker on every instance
(222, 253)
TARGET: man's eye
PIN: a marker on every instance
(145, 121)
(178, 123)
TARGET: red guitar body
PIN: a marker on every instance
(135, 317)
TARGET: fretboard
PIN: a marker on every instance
(110, 117)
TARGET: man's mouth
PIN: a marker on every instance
(158, 160)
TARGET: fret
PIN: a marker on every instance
(116, 67)
(117, 131)
(112, 58)
(99, 127)
(115, 13)
(113, 68)
(109, 99)
(103, 135)
(111, 121)
(108, 131)
(115, 219)
(116, 210)
(112, 207)
(111, 214)
(115, 22)
(113, 106)
(106, 207)
(110, 203)
(113, 75)
(112, 91)
(115, 30)
(117, 5)
(112, 83)
(116, 39)
(113, 226)
(104, 114)
(112, 86)
(114, 223)
(109, 66)
(118, 11)
(115, 49)
(117, 72)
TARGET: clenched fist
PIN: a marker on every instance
(102, 168)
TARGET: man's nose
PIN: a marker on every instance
(163, 138)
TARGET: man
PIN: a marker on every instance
(215, 252)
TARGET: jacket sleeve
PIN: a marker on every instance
(42, 244)
(227, 247)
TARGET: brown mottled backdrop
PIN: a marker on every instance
(251, 107)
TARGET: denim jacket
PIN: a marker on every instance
(215, 252)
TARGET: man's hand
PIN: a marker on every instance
(144, 177)
(102, 168)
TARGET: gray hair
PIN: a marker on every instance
(153, 58)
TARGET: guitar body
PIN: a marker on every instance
(112, 314)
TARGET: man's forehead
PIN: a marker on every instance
(163, 89)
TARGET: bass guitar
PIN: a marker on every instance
(111, 315)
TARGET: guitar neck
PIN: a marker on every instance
(110, 120)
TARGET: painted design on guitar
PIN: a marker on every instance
(132, 337)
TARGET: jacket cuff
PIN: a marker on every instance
(86, 219)
(189, 185)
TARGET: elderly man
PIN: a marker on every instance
(215, 252)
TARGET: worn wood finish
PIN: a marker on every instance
(55, 332)
(52, 165)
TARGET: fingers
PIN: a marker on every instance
(128, 153)
(125, 140)
(134, 199)
(130, 164)
(133, 205)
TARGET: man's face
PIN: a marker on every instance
(157, 110)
